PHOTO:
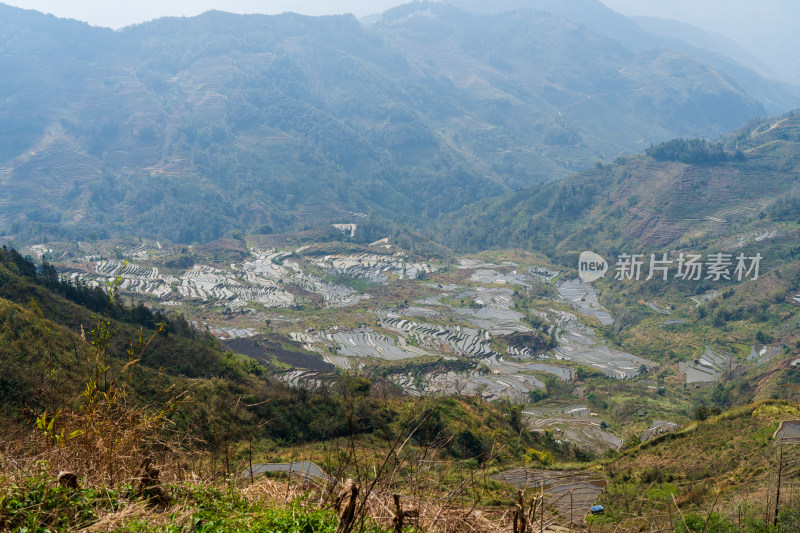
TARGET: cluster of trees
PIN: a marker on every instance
(538, 218)
(693, 151)
(95, 298)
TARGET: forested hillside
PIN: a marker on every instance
(186, 129)
(684, 193)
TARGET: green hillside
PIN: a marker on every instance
(185, 129)
(738, 196)
(717, 475)
(268, 240)
(683, 194)
(85, 392)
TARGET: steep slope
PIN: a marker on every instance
(702, 39)
(715, 475)
(551, 88)
(641, 34)
(684, 193)
(185, 129)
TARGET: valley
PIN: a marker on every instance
(466, 264)
(351, 320)
(465, 314)
(504, 326)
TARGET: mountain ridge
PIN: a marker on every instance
(681, 193)
(186, 129)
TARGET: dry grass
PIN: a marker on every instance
(432, 517)
(114, 521)
(441, 508)
(111, 443)
(379, 507)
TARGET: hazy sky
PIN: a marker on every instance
(119, 13)
(731, 17)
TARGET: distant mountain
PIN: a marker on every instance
(642, 33)
(186, 129)
(593, 14)
(685, 193)
(751, 73)
(766, 29)
(699, 38)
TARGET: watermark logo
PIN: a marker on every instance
(691, 267)
(591, 266)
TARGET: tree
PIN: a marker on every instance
(550, 383)
(537, 395)
(701, 412)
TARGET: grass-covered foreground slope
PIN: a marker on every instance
(201, 415)
(94, 394)
(717, 475)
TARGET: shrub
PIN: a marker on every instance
(533, 456)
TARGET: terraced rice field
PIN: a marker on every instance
(463, 341)
(493, 312)
(257, 280)
(412, 311)
(334, 295)
(580, 344)
(659, 427)
(233, 333)
(492, 276)
(707, 368)
(572, 493)
(212, 284)
(377, 268)
(264, 263)
(489, 386)
(363, 342)
(576, 424)
(788, 432)
(505, 379)
(347, 229)
(705, 297)
(305, 379)
(134, 279)
(490, 315)
(410, 339)
(477, 313)
(584, 298)
(764, 354)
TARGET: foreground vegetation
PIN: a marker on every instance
(718, 475)
(159, 424)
